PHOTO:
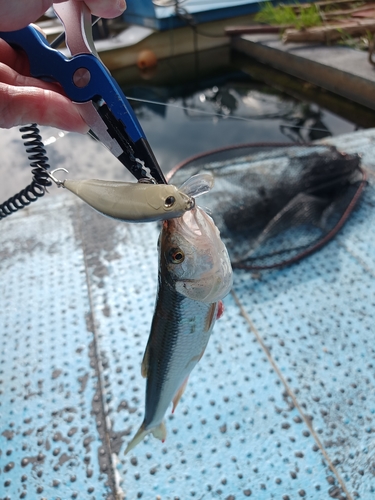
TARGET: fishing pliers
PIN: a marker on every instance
(88, 83)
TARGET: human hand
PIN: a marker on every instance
(24, 99)
(16, 14)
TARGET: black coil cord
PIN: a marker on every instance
(38, 162)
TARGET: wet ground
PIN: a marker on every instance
(281, 406)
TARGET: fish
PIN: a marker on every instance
(195, 274)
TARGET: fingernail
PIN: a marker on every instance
(121, 5)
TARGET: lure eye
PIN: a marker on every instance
(169, 201)
(176, 255)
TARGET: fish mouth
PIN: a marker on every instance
(187, 225)
(193, 224)
(169, 228)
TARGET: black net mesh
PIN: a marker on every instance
(275, 204)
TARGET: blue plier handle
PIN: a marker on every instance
(87, 82)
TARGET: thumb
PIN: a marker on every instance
(22, 105)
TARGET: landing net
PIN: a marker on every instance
(275, 204)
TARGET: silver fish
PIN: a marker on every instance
(194, 275)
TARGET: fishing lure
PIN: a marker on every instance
(129, 201)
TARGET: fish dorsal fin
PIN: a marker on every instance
(145, 362)
(198, 184)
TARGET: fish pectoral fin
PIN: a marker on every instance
(145, 362)
(211, 317)
(160, 432)
(141, 434)
(179, 394)
(220, 309)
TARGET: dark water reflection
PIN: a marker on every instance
(205, 105)
(211, 103)
(232, 113)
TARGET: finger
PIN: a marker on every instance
(16, 14)
(11, 77)
(23, 105)
(14, 58)
(106, 8)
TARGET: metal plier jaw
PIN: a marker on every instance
(88, 83)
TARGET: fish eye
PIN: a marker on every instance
(176, 255)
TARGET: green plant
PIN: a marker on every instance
(309, 17)
(345, 39)
(281, 14)
(362, 43)
(287, 15)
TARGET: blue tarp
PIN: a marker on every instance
(281, 405)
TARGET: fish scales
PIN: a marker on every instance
(180, 332)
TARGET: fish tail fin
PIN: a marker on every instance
(141, 434)
(160, 432)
